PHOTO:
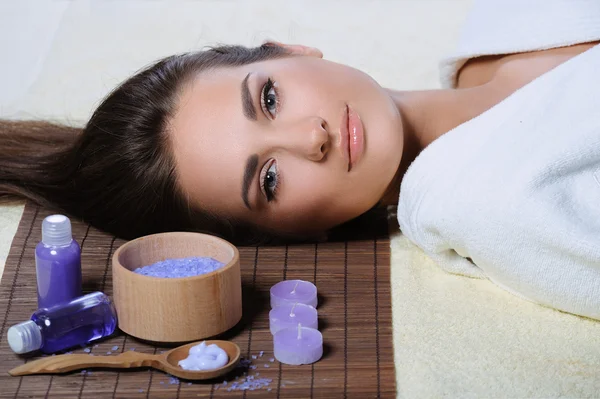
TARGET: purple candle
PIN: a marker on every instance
(293, 291)
(300, 345)
(289, 316)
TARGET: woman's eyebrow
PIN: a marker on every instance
(249, 171)
(247, 103)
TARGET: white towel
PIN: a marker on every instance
(517, 190)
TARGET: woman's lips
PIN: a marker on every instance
(356, 136)
(352, 141)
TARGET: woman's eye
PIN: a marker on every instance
(270, 181)
(269, 99)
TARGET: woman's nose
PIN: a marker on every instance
(308, 138)
(319, 140)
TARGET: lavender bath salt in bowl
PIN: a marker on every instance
(183, 267)
(183, 299)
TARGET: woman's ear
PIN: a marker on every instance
(297, 49)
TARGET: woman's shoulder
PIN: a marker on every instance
(512, 71)
(497, 29)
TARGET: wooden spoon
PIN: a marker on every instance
(167, 362)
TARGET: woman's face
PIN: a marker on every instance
(295, 145)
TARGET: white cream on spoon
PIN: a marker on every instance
(204, 357)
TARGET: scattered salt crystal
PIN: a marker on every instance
(182, 267)
(69, 353)
(173, 380)
(261, 353)
(83, 372)
(89, 373)
(269, 389)
(114, 348)
(189, 383)
(244, 362)
(162, 382)
(253, 356)
(141, 390)
(95, 346)
(87, 350)
(272, 360)
(249, 383)
(109, 353)
(266, 366)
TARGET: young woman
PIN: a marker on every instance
(274, 141)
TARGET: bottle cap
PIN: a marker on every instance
(24, 337)
(56, 230)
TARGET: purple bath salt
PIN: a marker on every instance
(250, 383)
(181, 267)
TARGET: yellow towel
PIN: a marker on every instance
(459, 337)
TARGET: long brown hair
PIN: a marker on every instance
(118, 173)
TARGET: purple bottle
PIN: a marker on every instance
(64, 326)
(57, 263)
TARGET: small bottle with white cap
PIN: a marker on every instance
(57, 263)
(64, 326)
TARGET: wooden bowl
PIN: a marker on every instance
(176, 309)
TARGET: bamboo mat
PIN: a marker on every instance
(353, 281)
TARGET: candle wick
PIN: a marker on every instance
(292, 311)
(294, 290)
(299, 330)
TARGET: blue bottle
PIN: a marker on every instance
(57, 263)
(70, 324)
